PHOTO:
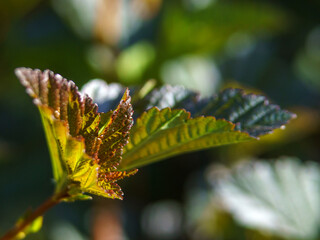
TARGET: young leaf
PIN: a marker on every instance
(85, 146)
(282, 197)
(160, 134)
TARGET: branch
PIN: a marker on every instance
(52, 201)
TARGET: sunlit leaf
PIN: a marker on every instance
(251, 113)
(85, 145)
(159, 134)
(281, 197)
(305, 125)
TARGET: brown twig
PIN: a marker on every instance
(52, 201)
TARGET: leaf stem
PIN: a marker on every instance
(49, 203)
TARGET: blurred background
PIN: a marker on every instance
(244, 191)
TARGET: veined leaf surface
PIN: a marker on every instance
(160, 134)
(281, 197)
(85, 146)
(248, 113)
(251, 113)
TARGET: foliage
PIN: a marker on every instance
(85, 146)
(206, 45)
(251, 113)
(159, 134)
(281, 197)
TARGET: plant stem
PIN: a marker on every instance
(52, 201)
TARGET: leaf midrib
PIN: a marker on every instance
(171, 148)
(159, 129)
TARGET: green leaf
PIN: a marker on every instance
(56, 135)
(251, 113)
(281, 197)
(159, 134)
(85, 146)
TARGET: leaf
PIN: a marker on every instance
(85, 146)
(282, 197)
(251, 113)
(160, 134)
